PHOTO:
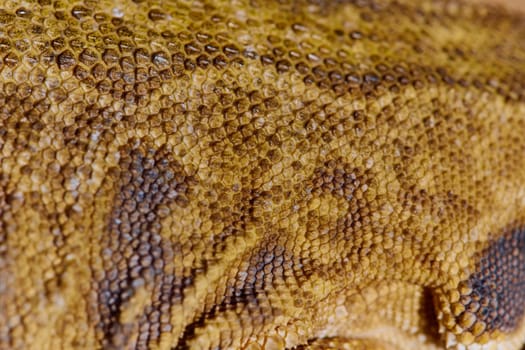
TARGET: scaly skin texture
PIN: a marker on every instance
(261, 174)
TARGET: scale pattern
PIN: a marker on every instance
(249, 174)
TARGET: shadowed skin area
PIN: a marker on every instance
(254, 174)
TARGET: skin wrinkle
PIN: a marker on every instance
(307, 174)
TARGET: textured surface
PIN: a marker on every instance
(261, 174)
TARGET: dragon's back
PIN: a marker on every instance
(261, 174)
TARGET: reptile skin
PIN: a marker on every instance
(254, 174)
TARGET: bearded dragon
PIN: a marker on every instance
(258, 174)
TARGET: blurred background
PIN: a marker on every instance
(511, 4)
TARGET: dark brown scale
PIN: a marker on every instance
(220, 62)
(192, 49)
(23, 12)
(211, 48)
(230, 51)
(11, 60)
(88, 57)
(80, 12)
(157, 15)
(160, 59)
(58, 44)
(203, 61)
(110, 56)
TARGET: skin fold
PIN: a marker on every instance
(258, 174)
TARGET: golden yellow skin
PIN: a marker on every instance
(261, 175)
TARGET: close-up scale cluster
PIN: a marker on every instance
(249, 174)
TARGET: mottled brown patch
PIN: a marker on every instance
(134, 252)
(495, 293)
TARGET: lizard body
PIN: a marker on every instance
(261, 175)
